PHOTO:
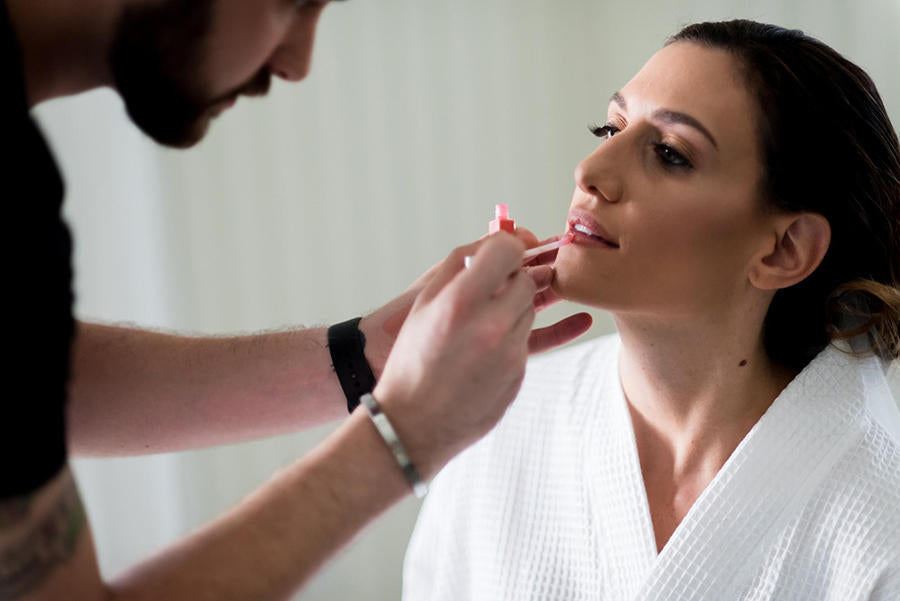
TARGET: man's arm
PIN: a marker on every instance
(44, 534)
(264, 549)
(455, 367)
(136, 391)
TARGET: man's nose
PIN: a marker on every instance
(292, 59)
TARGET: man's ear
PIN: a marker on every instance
(801, 241)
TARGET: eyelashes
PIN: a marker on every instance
(665, 153)
(605, 131)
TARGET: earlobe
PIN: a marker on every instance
(801, 241)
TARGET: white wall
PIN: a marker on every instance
(329, 197)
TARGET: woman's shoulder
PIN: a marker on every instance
(876, 466)
(858, 502)
(875, 460)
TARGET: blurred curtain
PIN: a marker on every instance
(327, 198)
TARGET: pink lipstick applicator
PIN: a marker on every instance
(539, 250)
(502, 222)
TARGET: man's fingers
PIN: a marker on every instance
(516, 296)
(525, 235)
(570, 328)
(522, 327)
(497, 257)
(438, 276)
(545, 298)
(542, 276)
(550, 239)
(547, 258)
(426, 277)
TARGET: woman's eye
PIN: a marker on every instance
(604, 131)
(667, 155)
(671, 157)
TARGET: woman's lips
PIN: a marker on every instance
(590, 233)
(582, 239)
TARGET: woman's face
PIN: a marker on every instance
(675, 186)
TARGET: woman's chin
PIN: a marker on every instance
(558, 285)
(568, 286)
(573, 284)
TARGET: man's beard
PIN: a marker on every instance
(157, 68)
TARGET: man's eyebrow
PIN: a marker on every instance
(667, 116)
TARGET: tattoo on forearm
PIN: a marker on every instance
(28, 561)
(13, 511)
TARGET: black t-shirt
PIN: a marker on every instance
(38, 326)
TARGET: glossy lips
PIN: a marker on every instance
(590, 233)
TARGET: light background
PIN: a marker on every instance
(326, 199)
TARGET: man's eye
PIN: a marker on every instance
(671, 157)
(604, 131)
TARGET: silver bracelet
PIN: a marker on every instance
(384, 427)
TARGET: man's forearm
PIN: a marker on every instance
(46, 548)
(135, 391)
(264, 549)
(271, 544)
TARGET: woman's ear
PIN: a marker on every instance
(801, 241)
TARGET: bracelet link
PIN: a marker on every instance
(384, 427)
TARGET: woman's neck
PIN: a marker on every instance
(695, 391)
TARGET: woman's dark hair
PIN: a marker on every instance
(827, 146)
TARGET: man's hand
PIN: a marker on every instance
(565, 330)
(460, 357)
(382, 326)
(135, 391)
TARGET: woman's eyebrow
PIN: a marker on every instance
(667, 116)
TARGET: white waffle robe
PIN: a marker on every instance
(551, 504)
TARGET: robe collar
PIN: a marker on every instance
(763, 485)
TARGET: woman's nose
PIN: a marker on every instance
(596, 176)
(292, 59)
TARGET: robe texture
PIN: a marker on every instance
(551, 505)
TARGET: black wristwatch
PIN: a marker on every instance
(346, 343)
